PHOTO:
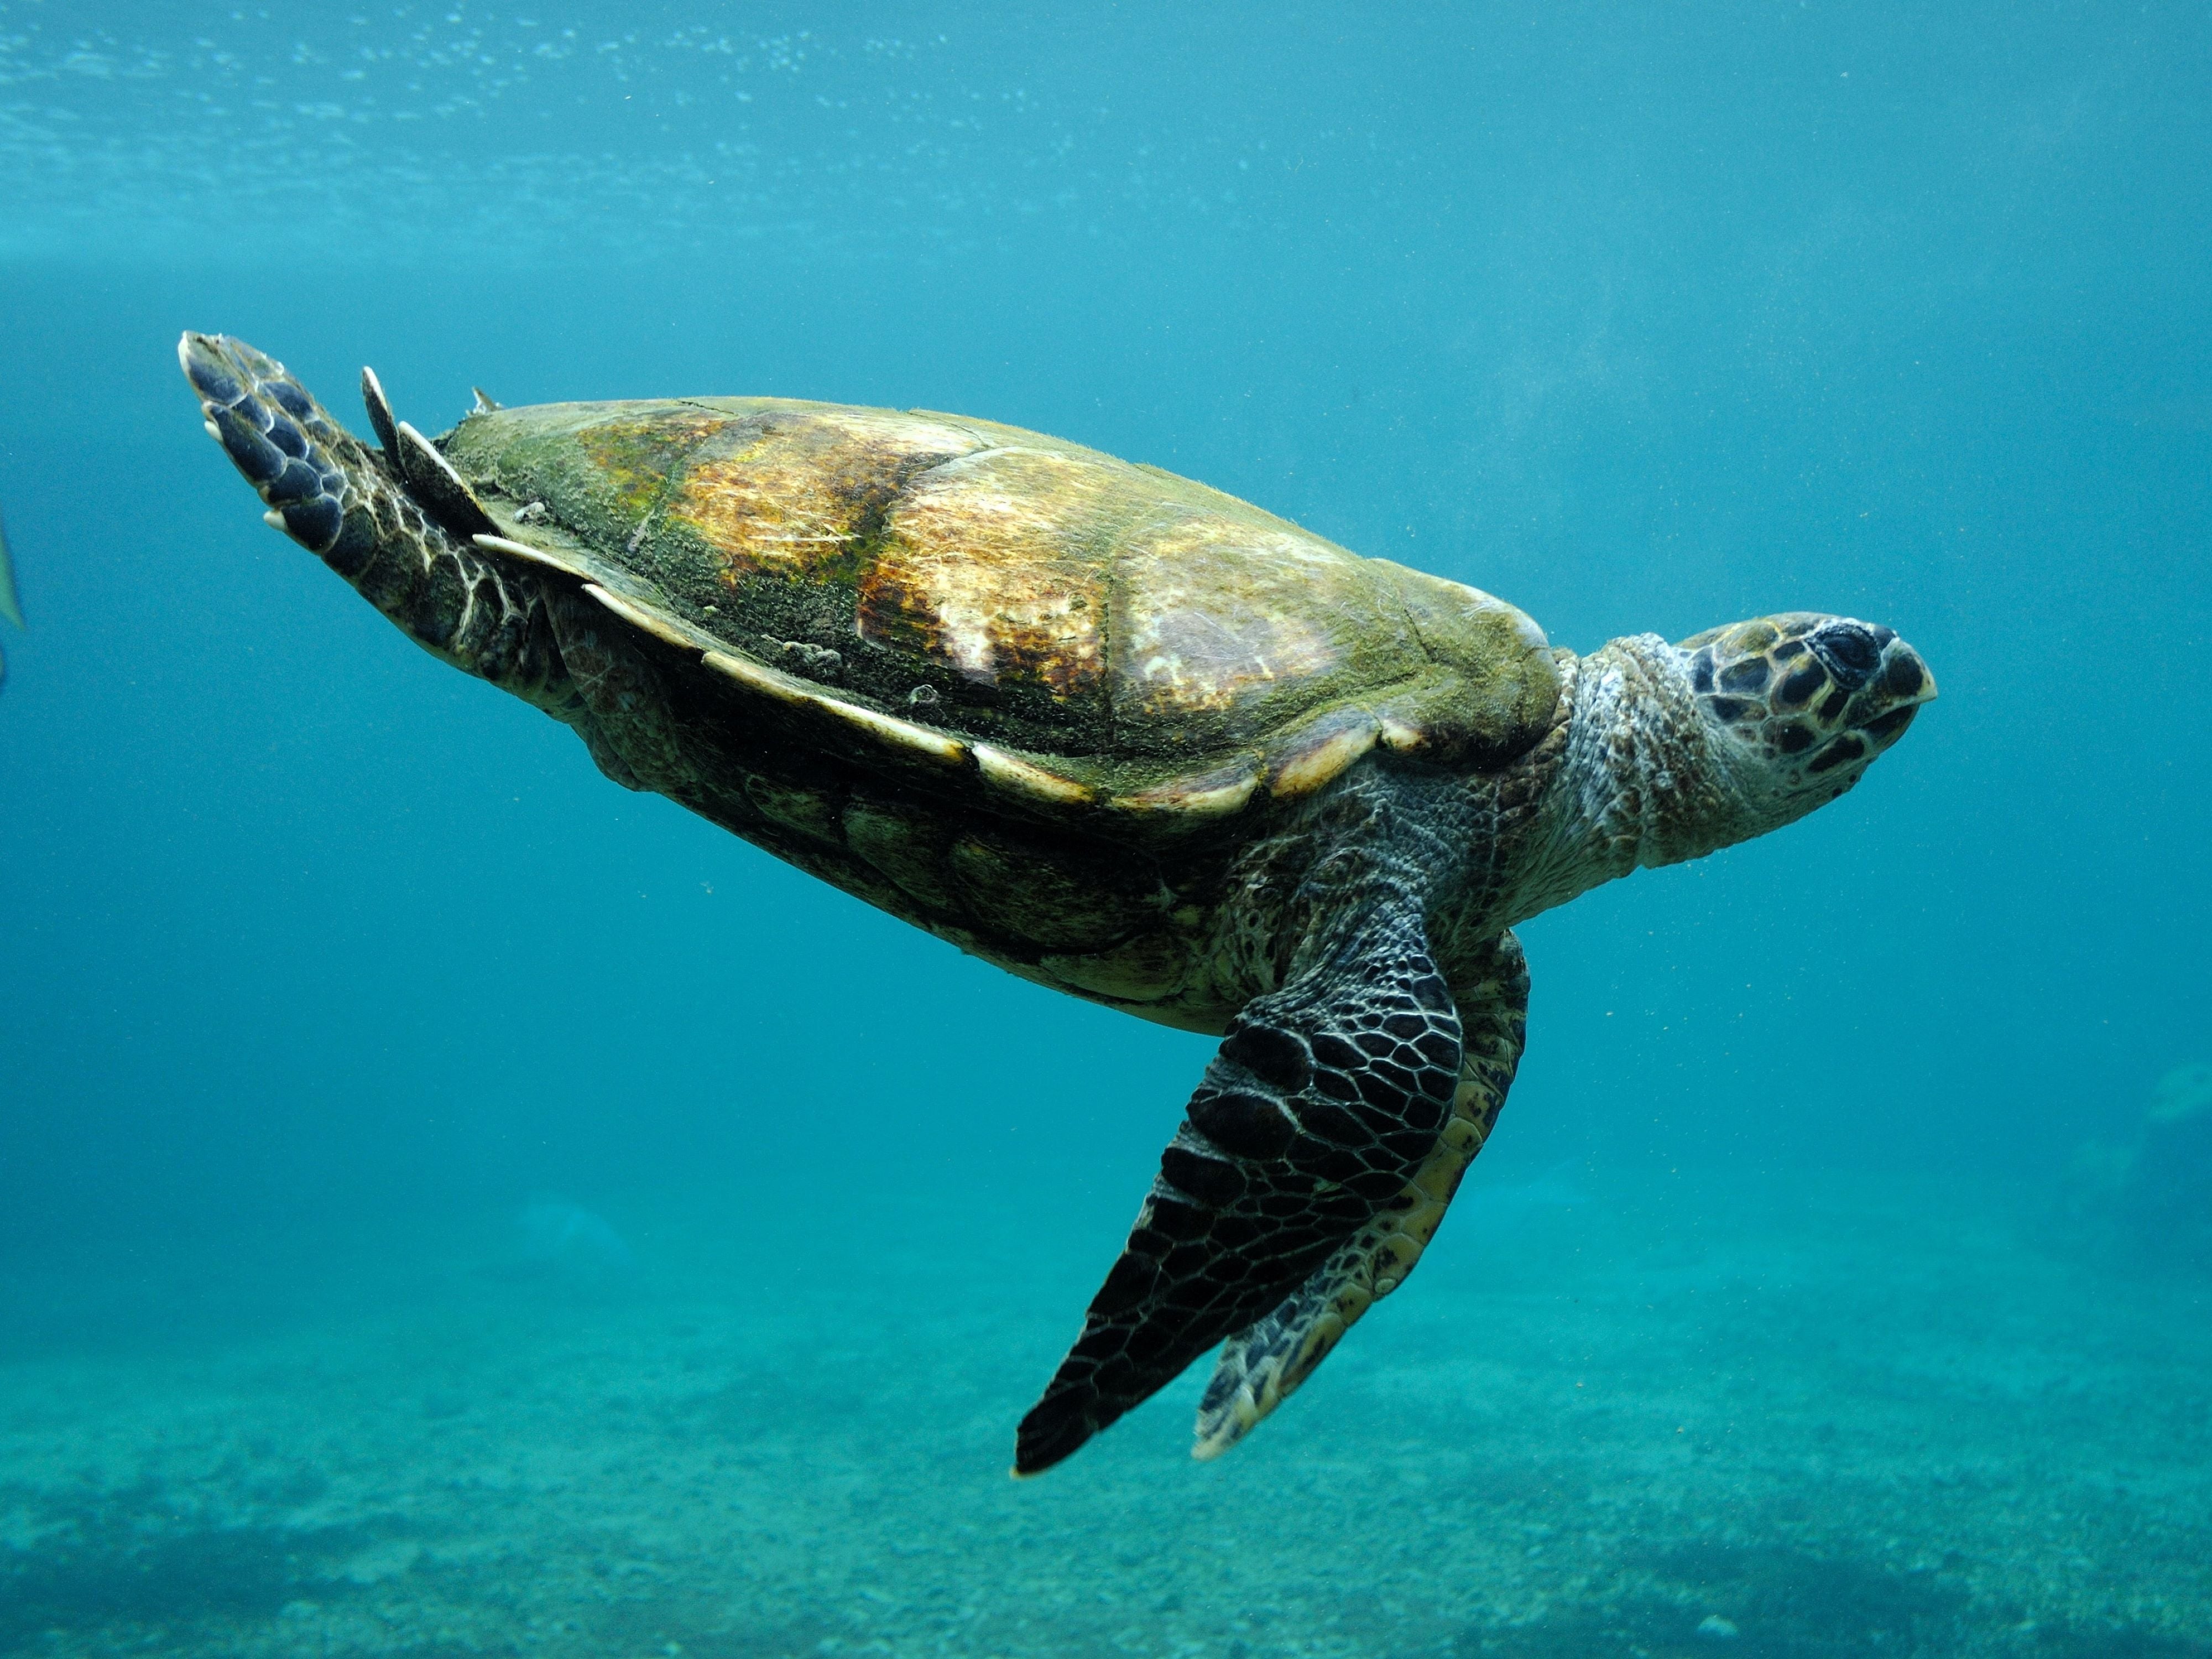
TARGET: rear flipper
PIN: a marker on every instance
(1263, 1364)
(350, 508)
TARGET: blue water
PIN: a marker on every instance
(324, 964)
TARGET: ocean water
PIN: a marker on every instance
(449, 1205)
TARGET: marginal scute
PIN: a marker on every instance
(1500, 683)
(904, 737)
(1323, 749)
(439, 487)
(1402, 737)
(641, 619)
(1215, 794)
(753, 676)
(919, 740)
(525, 552)
(1026, 781)
(380, 414)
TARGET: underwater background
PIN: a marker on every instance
(450, 1205)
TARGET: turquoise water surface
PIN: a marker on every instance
(449, 1205)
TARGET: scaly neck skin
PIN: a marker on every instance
(1641, 782)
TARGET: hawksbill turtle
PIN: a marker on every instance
(1121, 734)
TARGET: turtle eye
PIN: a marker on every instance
(1849, 651)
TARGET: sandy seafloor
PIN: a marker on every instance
(1875, 1418)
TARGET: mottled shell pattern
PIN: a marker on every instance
(1089, 636)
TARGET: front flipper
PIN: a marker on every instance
(1261, 1366)
(483, 613)
(1325, 1099)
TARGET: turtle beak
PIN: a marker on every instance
(1898, 687)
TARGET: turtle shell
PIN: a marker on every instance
(1079, 633)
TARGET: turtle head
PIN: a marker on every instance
(1795, 707)
(1672, 751)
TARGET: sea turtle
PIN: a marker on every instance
(1120, 734)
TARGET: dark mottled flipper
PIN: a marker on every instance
(357, 512)
(1263, 1364)
(1324, 1101)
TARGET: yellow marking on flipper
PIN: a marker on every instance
(644, 620)
(902, 735)
(1017, 777)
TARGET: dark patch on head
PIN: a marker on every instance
(1729, 709)
(1904, 675)
(1750, 675)
(1701, 670)
(1832, 710)
(1789, 650)
(1797, 626)
(1846, 748)
(1796, 687)
(1793, 738)
(1886, 729)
